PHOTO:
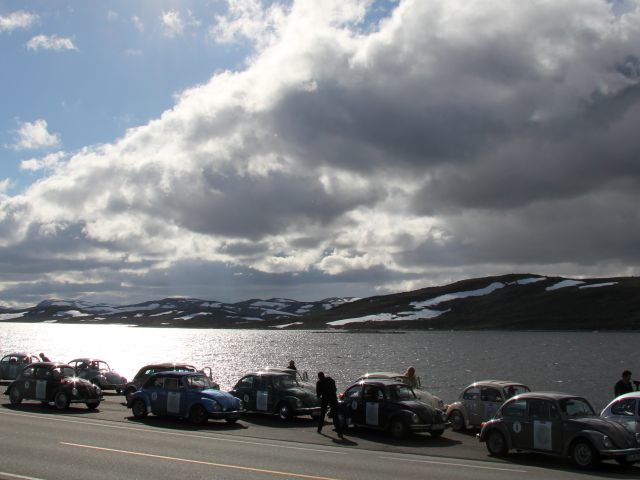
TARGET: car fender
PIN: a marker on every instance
(500, 427)
(592, 436)
(291, 400)
(139, 395)
(405, 415)
(462, 409)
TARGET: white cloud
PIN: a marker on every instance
(15, 20)
(249, 19)
(48, 162)
(53, 42)
(137, 23)
(175, 23)
(34, 135)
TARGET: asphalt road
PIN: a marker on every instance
(38, 442)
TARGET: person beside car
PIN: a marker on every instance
(625, 385)
(327, 393)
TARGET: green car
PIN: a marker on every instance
(276, 393)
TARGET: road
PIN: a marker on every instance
(38, 442)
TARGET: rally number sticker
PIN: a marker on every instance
(517, 427)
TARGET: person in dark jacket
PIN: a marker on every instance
(625, 385)
(326, 392)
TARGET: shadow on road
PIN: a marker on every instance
(175, 423)
(48, 408)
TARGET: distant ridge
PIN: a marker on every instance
(514, 302)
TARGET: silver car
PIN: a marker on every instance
(423, 395)
(99, 373)
(11, 365)
(480, 401)
(625, 409)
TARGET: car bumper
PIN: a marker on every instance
(631, 454)
(225, 415)
(313, 411)
(86, 400)
(428, 427)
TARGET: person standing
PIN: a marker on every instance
(411, 378)
(327, 393)
(292, 365)
(43, 357)
(624, 385)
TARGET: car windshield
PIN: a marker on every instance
(65, 372)
(198, 382)
(401, 392)
(285, 381)
(576, 407)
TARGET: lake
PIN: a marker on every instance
(584, 363)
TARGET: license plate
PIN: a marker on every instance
(633, 458)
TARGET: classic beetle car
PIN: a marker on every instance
(99, 373)
(480, 401)
(53, 382)
(145, 372)
(423, 395)
(11, 365)
(278, 393)
(625, 409)
(559, 424)
(389, 405)
(189, 395)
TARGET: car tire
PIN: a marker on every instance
(118, 391)
(92, 405)
(457, 421)
(436, 433)
(61, 401)
(15, 397)
(139, 408)
(284, 411)
(398, 428)
(128, 393)
(496, 443)
(231, 421)
(198, 415)
(583, 455)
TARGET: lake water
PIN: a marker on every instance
(584, 363)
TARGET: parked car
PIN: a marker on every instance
(53, 382)
(301, 377)
(189, 395)
(391, 405)
(625, 409)
(145, 372)
(559, 424)
(99, 373)
(480, 401)
(12, 364)
(422, 394)
(277, 393)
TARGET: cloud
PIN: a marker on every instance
(447, 140)
(48, 162)
(137, 23)
(15, 20)
(53, 42)
(35, 135)
(175, 23)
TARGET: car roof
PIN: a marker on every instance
(382, 375)
(378, 382)
(173, 373)
(86, 359)
(495, 383)
(547, 395)
(269, 373)
(50, 364)
(19, 354)
(167, 365)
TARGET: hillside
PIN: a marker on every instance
(515, 301)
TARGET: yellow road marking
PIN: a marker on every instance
(455, 464)
(199, 462)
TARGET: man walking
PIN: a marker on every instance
(326, 392)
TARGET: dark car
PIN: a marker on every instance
(278, 393)
(389, 405)
(53, 382)
(559, 424)
(99, 373)
(189, 395)
(12, 364)
(145, 372)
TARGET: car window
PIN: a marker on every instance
(373, 393)
(471, 393)
(513, 390)
(65, 371)
(246, 382)
(353, 393)
(171, 383)
(490, 394)
(28, 372)
(515, 409)
(43, 373)
(542, 409)
(626, 407)
(5, 359)
(401, 392)
(287, 381)
(198, 382)
(576, 407)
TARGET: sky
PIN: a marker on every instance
(236, 149)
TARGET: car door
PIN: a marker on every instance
(373, 399)
(44, 386)
(514, 418)
(157, 395)
(545, 426)
(354, 406)
(173, 393)
(490, 399)
(12, 366)
(471, 402)
(27, 382)
(244, 390)
(625, 411)
(263, 387)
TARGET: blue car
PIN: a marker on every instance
(189, 395)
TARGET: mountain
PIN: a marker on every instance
(513, 302)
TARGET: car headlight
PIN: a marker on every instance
(98, 390)
(606, 442)
(415, 418)
(74, 391)
(299, 403)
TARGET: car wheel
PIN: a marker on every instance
(398, 428)
(457, 421)
(128, 393)
(583, 454)
(436, 433)
(284, 412)
(15, 396)
(496, 443)
(92, 405)
(118, 391)
(139, 408)
(198, 415)
(61, 401)
(231, 421)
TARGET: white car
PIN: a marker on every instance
(422, 395)
(625, 409)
